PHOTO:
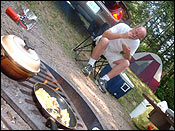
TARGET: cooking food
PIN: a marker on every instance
(52, 106)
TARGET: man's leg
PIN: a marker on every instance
(120, 66)
(100, 48)
(96, 53)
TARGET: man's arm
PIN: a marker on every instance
(111, 36)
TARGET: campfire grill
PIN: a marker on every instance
(19, 96)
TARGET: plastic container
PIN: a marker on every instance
(141, 108)
(119, 85)
(12, 14)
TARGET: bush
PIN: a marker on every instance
(166, 93)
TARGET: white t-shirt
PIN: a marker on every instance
(112, 52)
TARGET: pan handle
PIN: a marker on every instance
(51, 123)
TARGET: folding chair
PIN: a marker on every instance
(87, 46)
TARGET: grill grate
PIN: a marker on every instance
(19, 96)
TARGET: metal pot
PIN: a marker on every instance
(52, 122)
(18, 61)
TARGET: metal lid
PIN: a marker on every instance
(14, 47)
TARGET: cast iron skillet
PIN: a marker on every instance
(51, 121)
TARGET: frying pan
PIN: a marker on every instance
(54, 123)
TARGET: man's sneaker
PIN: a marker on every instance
(102, 85)
(87, 69)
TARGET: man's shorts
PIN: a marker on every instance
(109, 54)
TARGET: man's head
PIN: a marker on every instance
(138, 32)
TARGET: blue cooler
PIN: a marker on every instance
(119, 85)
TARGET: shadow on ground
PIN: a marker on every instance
(71, 15)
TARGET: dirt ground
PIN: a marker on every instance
(106, 106)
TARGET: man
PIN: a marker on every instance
(118, 44)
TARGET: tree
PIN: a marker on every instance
(158, 18)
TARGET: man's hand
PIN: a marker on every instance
(128, 35)
(126, 51)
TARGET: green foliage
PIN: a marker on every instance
(167, 93)
(142, 47)
(138, 11)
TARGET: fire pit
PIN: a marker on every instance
(19, 97)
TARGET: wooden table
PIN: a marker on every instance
(159, 118)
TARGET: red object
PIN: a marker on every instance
(150, 127)
(23, 24)
(117, 15)
(12, 14)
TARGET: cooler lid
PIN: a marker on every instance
(126, 79)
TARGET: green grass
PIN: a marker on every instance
(134, 97)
